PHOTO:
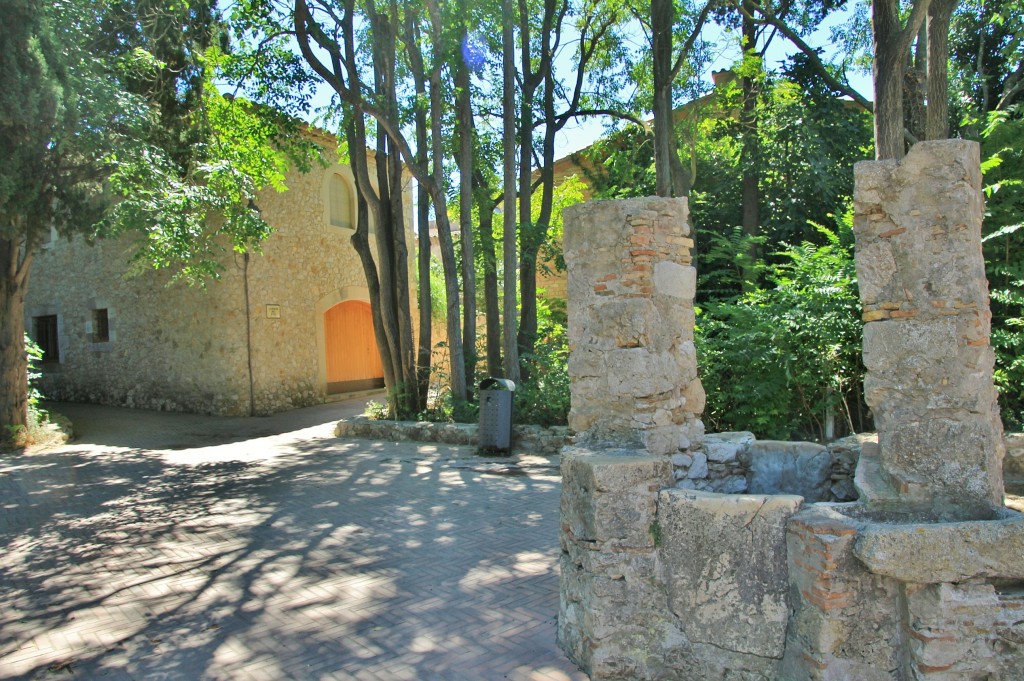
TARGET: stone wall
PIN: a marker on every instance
(178, 348)
(632, 362)
(172, 348)
(917, 225)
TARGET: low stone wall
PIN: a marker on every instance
(536, 439)
(736, 463)
(729, 463)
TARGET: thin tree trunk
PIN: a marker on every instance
(464, 131)
(492, 307)
(426, 342)
(356, 134)
(750, 156)
(13, 367)
(425, 297)
(915, 85)
(892, 42)
(662, 19)
(456, 350)
(510, 326)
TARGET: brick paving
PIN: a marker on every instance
(286, 556)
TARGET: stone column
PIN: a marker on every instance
(926, 341)
(632, 363)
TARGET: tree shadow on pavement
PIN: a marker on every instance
(326, 559)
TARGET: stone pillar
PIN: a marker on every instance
(926, 341)
(632, 363)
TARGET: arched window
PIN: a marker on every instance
(342, 203)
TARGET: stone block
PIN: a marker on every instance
(699, 466)
(930, 553)
(724, 447)
(724, 559)
(948, 460)
(964, 631)
(609, 499)
(675, 280)
(802, 468)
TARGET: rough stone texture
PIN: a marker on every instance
(930, 553)
(1013, 464)
(802, 468)
(877, 597)
(178, 348)
(724, 447)
(724, 558)
(610, 598)
(929, 365)
(845, 622)
(632, 361)
(972, 630)
(677, 584)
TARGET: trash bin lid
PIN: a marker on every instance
(497, 384)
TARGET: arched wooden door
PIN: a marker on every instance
(353, 362)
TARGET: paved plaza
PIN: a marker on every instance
(167, 546)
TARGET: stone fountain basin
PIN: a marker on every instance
(910, 547)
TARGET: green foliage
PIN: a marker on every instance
(809, 141)
(1003, 164)
(377, 411)
(780, 361)
(620, 165)
(186, 215)
(543, 397)
(33, 355)
(728, 268)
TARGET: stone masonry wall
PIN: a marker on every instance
(171, 348)
(632, 361)
(929, 365)
(178, 348)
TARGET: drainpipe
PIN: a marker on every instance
(248, 318)
(248, 333)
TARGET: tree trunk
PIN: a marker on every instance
(464, 132)
(492, 306)
(400, 248)
(425, 343)
(425, 298)
(915, 86)
(892, 42)
(662, 19)
(937, 122)
(750, 154)
(510, 326)
(13, 367)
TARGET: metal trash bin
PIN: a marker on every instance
(496, 413)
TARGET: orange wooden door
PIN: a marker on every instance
(353, 362)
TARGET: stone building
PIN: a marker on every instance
(285, 328)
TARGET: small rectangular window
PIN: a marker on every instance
(46, 338)
(100, 326)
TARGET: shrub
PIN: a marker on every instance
(785, 361)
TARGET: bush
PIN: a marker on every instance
(543, 397)
(785, 362)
